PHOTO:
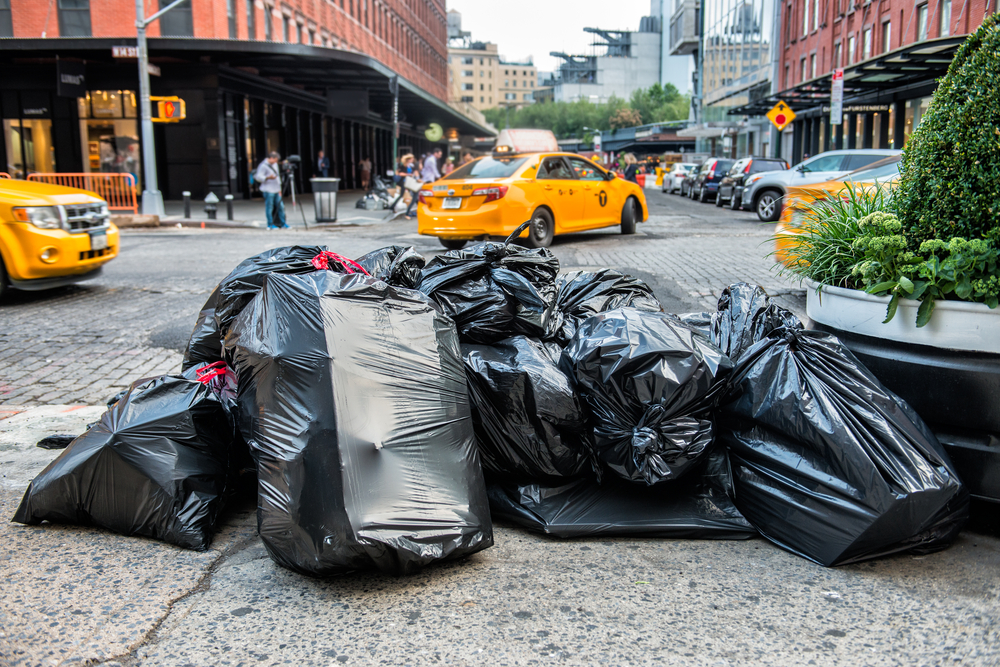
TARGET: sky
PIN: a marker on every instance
(522, 28)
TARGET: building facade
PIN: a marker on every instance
(297, 77)
(481, 77)
(892, 53)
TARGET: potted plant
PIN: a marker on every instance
(909, 276)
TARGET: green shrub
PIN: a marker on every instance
(950, 184)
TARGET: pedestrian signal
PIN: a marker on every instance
(168, 109)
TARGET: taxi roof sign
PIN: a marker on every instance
(781, 115)
(526, 141)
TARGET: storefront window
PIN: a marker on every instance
(29, 147)
(109, 132)
(915, 110)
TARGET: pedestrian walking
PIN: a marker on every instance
(449, 166)
(366, 172)
(322, 165)
(268, 176)
(430, 172)
(407, 173)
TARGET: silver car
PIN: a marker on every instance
(763, 192)
(678, 172)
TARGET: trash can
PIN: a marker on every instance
(325, 198)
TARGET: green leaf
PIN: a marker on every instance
(890, 312)
(881, 287)
(963, 290)
(906, 284)
(920, 286)
(925, 311)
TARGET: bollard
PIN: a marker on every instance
(210, 205)
(229, 207)
(187, 204)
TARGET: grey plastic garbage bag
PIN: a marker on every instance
(650, 385)
(155, 465)
(353, 399)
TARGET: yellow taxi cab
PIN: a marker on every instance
(52, 235)
(794, 214)
(527, 178)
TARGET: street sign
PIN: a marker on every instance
(124, 51)
(153, 69)
(837, 98)
(169, 109)
(781, 115)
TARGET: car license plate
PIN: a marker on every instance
(98, 241)
(452, 202)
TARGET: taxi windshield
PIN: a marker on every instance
(488, 167)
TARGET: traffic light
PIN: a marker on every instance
(168, 109)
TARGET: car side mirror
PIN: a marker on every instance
(802, 168)
(611, 176)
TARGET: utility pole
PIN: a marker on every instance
(394, 89)
(152, 198)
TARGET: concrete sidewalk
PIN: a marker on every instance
(250, 212)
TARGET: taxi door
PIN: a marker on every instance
(602, 203)
(561, 190)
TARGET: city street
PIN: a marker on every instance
(76, 596)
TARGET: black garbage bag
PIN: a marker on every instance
(237, 289)
(650, 385)
(827, 462)
(397, 265)
(745, 316)
(582, 294)
(699, 322)
(493, 290)
(529, 423)
(155, 465)
(697, 507)
(354, 402)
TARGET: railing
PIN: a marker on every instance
(116, 189)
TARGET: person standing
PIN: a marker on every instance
(268, 176)
(366, 172)
(430, 172)
(322, 165)
(466, 158)
(449, 166)
(407, 175)
(631, 168)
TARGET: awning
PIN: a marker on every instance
(922, 62)
(311, 69)
(706, 131)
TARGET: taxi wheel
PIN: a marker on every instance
(542, 229)
(4, 285)
(629, 216)
(453, 244)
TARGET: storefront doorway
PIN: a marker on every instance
(109, 133)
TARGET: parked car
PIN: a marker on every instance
(763, 192)
(52, 235)
(731, 187)
(673, 179)
(883, 173)
(705, 185)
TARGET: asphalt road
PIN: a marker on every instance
(72, 595)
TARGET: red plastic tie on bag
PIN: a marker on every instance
(322, 262)
(206, 373)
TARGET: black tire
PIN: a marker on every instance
(718, 199)
(453, 244)
(768, 205)
(703, 195)
(735, 203)
(630, 214)
(542, 229)
(4, 284)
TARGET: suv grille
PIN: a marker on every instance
(81, 217)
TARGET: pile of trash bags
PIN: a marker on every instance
(391, 409)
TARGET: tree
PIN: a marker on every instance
(626, 117)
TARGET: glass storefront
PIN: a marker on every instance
(915, 110)
(109, 132)
(29, 146)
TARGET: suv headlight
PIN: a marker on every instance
(43, 217)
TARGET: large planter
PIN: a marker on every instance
(949, 370)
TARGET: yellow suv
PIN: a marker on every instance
(52, 235)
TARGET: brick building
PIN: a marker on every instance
(295, 76)
(892, 53)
